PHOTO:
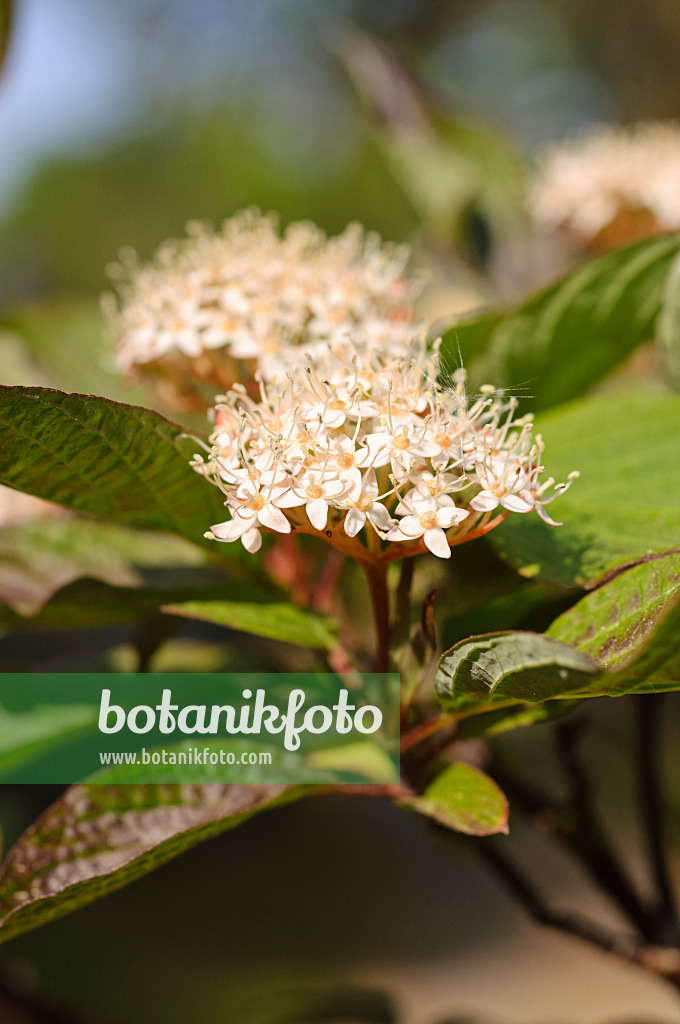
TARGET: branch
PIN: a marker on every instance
(576, 826)
(665, 963)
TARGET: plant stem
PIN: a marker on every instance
(648, 721)
(376, 574)
(665, 963)
(576, 826)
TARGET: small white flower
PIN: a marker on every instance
(428, 516)
(363, 502)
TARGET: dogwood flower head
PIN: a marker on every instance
(365, 447)
(610, 185)
(216, 305)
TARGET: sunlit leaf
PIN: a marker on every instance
(465, 799)
(613, 624)
(277, 620)
(668, 328)
(559, 343)
(509, 667)
(95, 839)
(113, 460)
(624, 508)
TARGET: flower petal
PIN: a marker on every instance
(252, 540)
(437, 543)
(354, 521)
(514, 503)
(411, 526)
(448, 516)
(232, 529)
(484, 502)
(274, 519)
(380, 517)
(317, 513)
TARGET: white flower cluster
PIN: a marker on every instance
(248, 293)
(607, 174)
(364, 439)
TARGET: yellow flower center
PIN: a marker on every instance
(401, 441)
(345, 461)
(256, 502)
(364, 502)
(314, 491)
(428, 520)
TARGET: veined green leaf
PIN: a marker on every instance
(466, 800)
(624, 508)
(614, 623)
(96, 839)
(277, 620)
(503, 668)
(668, 328)
(560, 342)
(94, 455)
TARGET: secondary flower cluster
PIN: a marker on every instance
(366, 440)
(211, 302)
(610, 186)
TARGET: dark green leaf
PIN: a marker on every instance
(626, 504)
(560, 342)
(88, 603)
(614, 623)
(24, 735)
(509, 667)
(95, 839)
(668, 327)
(98, 456)
(6, 7)
(42, 556)
(277, 620)
(466, 800)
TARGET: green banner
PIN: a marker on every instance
(114, 728)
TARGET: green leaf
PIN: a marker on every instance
(556, 345)
(6, 17)
(98, 456)
(624, 508)
(668, 327)
(69, 344)
(614, 623)
(89, 603)
(42, 556)
(277, 620)
(466, 800)
(504, 668)
(96, 839)
(24, 735)
(658, 666)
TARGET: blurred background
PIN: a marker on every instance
(118, 123)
